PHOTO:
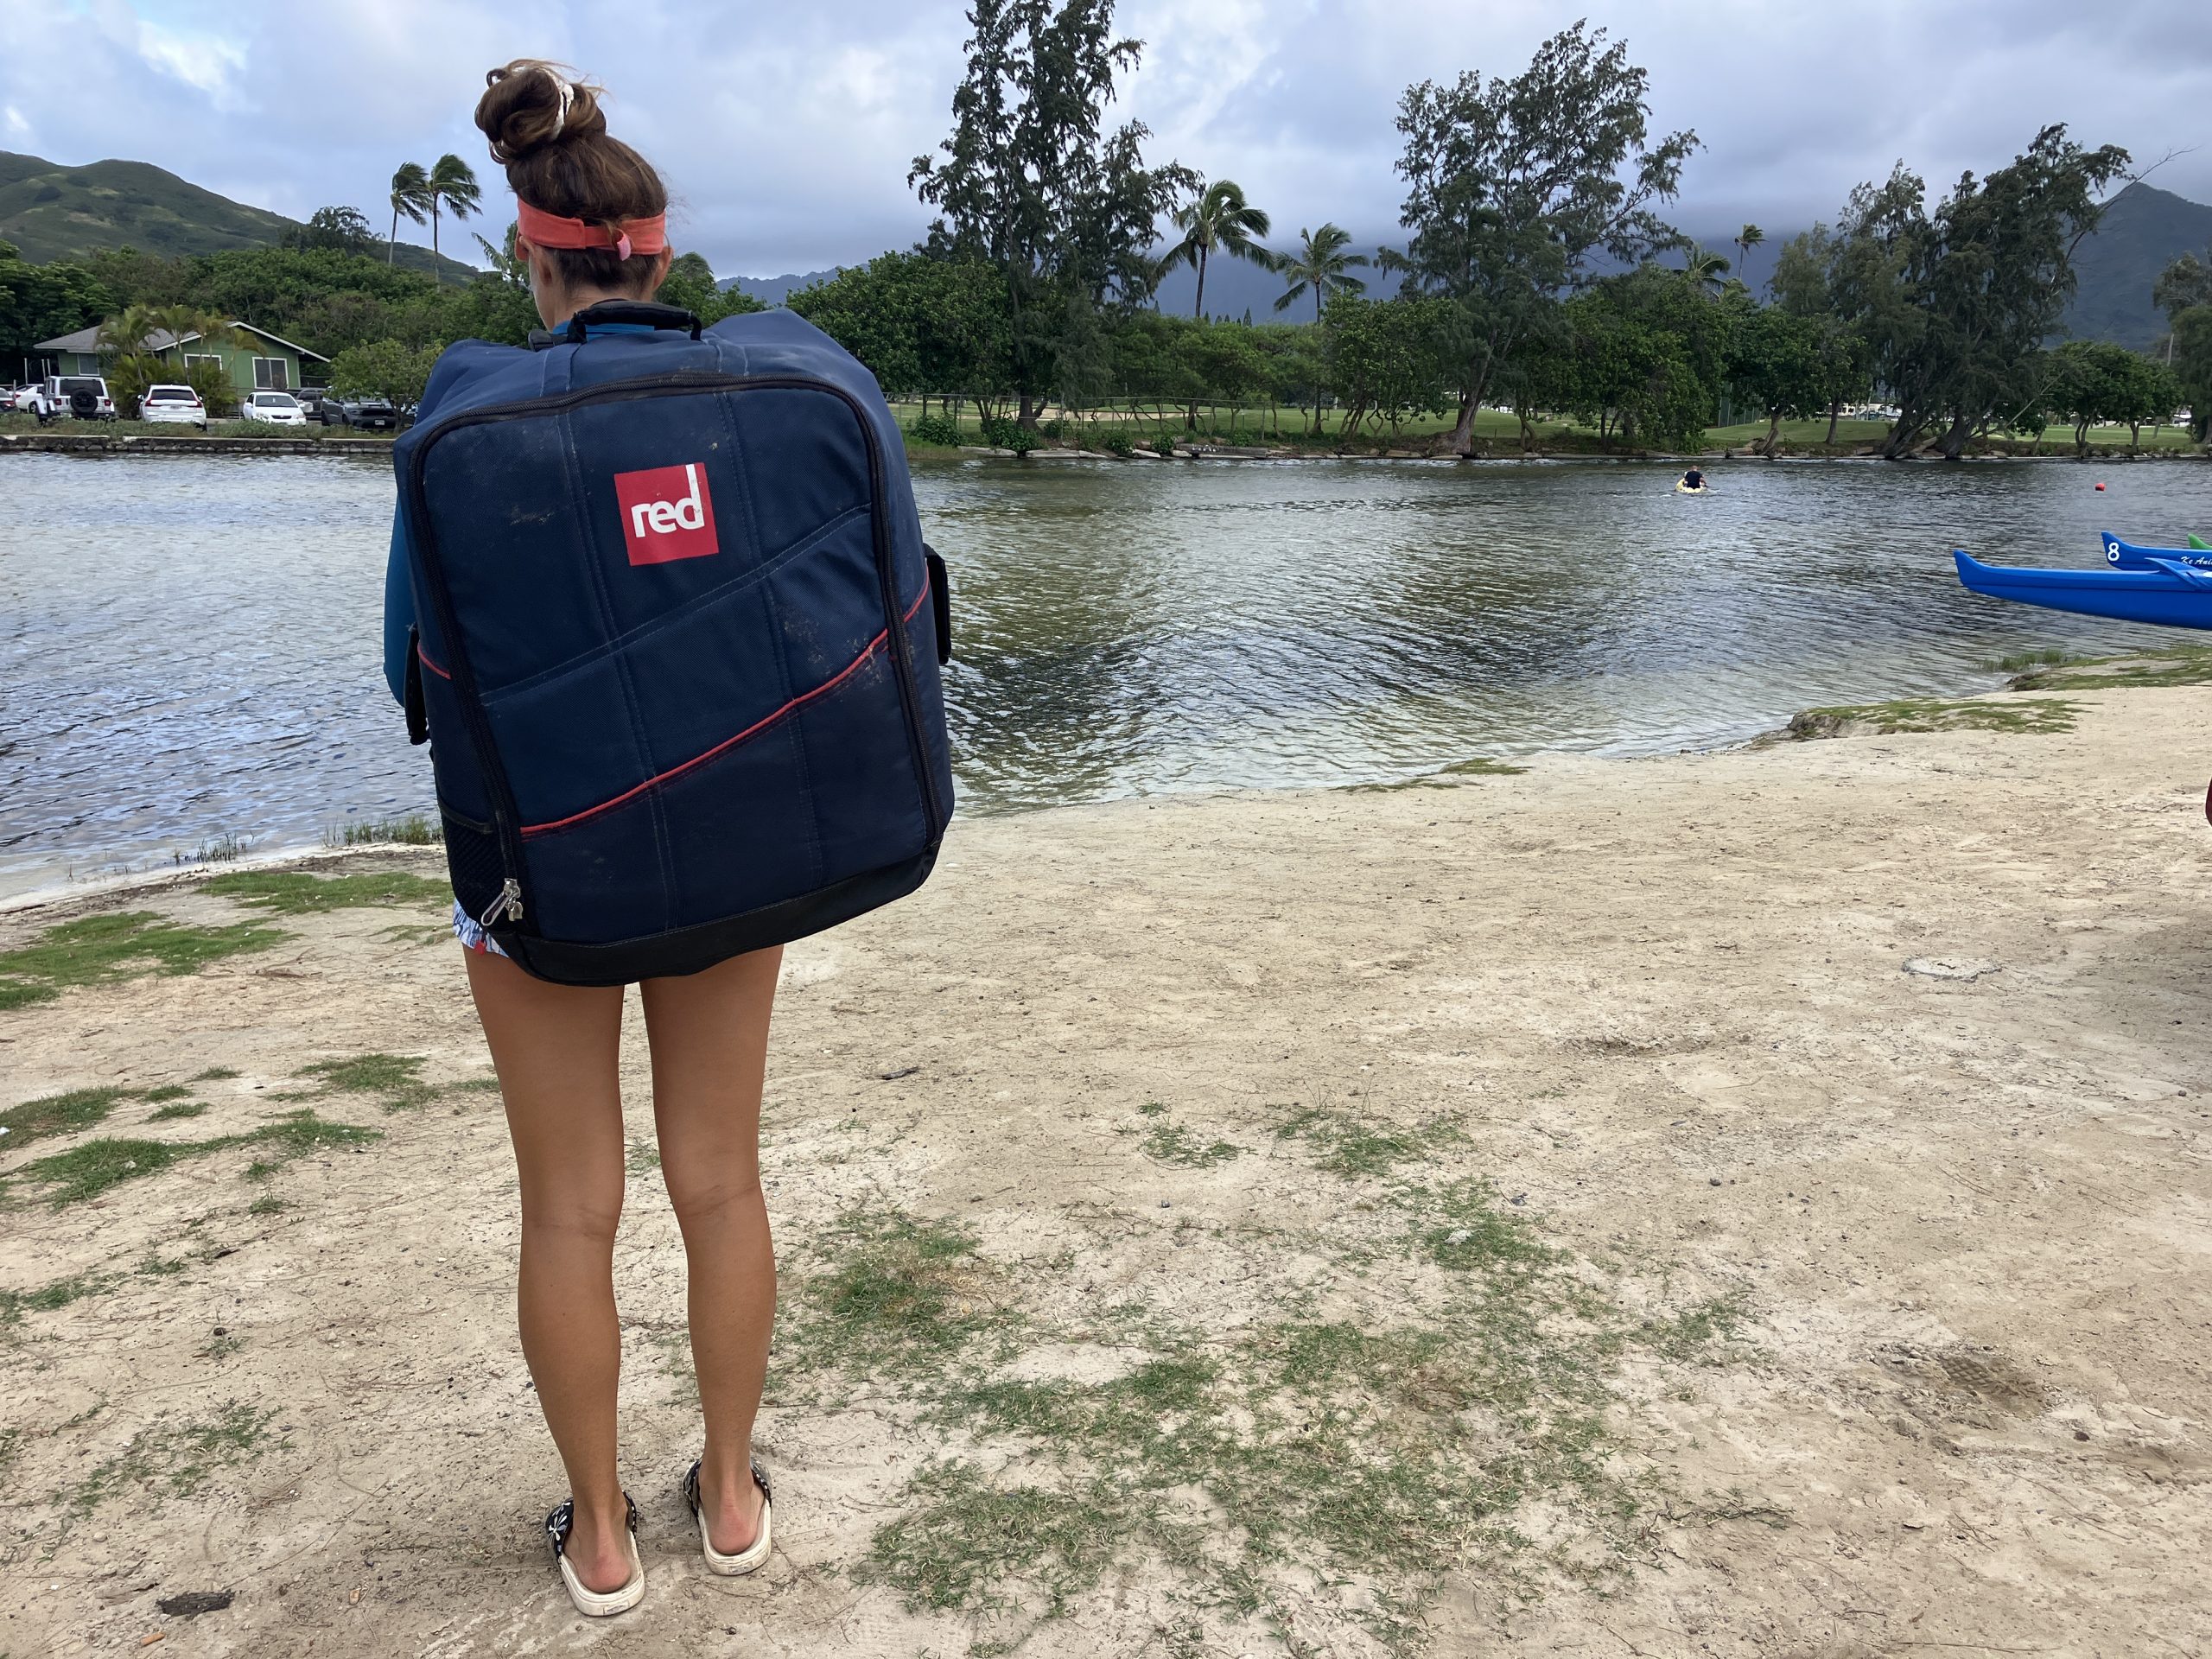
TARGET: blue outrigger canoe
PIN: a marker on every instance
(2169, 587)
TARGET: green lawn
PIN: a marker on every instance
(314, 431)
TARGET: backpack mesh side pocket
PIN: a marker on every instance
(473, 860)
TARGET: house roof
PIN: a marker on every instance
(88, 340)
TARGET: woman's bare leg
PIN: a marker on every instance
(709, 1033)
(556, 1049)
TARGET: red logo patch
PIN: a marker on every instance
(667, 514)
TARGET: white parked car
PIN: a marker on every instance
(178, 404)
(20, 400)
(276, 409)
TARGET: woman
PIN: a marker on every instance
(555, 1046)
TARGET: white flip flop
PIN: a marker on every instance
(592, 1603)
(754, 1554)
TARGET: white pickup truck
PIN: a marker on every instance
(84, 396)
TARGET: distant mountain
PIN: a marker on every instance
(2142, 232)
(54, 212)
(773, 291)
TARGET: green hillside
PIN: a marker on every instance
(2143, 231)
(54, 212)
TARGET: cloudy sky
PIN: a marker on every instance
(786, 127)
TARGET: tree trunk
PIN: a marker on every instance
(1199, 305)
(391, 248)
(1954, 440)
(1027, 416)
(437, 272)
(1835, 409)
(2081, 439)
(1773, 431)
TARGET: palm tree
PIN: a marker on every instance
(1321, 267)
(1220, 220)
(453, 184)
(1706, 270)
(1747, 238)
(410, 198)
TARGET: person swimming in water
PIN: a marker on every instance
(1692, 480)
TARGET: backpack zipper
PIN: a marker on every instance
(507, 904)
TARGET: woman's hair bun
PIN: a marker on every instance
(529, 104)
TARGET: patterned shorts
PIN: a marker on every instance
(471, 933)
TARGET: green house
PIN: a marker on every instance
(257, 361)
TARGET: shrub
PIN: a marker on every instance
(1115, 442)
(1054, 430)
(1002, 434)
(935, 428)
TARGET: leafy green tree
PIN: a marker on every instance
(453, 188)
(1775, 361)
(1651, 353)
(343, 230)
(2192, 366)
(1705, 270)
(1219, 221)
(921, 325)
(41, 301)
(1959, 301)
(1387, 357)
(1321, 266)
(1515, 186)
(1801, 287)
(384, 369)
(411, 199)
(2093, 382)
(2185, 282)
(1032, 183)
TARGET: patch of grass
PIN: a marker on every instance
(11, 1446)
(1171, 1143)
(413, 830)
(226, 848)
(899, 1296)
(94, 950)
(267, 1204)
(2044, 715)
(167, 1091)
(2179, 665)
(58, 1293)
(86, 1170)
(1397, 1448)
(1704, 1333)
(183, 1109)
(644, 1155)
(2049, 657)
(38, 1120)
(152, 1267)
(1153, 1108)
(99, 1164)
(1352, 1145)
(396, 1079)
(176, 1460)
(295, 893)
(214, 1074)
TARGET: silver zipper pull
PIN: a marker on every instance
(508, 904)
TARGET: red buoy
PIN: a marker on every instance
(2100, 485)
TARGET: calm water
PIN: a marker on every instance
(189, 647)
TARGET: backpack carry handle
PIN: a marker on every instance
(633, 311)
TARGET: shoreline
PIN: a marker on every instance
(93, 444)
(1849, 1095)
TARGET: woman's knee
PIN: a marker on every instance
(584, 1217)
(703, 1196)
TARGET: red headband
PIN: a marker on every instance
(545, 230)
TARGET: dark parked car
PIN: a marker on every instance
(367, 412)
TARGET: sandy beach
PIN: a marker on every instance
(1755, 1202)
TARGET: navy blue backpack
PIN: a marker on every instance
(677, 641)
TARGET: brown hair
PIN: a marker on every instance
(563, 161)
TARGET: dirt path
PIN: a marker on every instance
(1754, 1204)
